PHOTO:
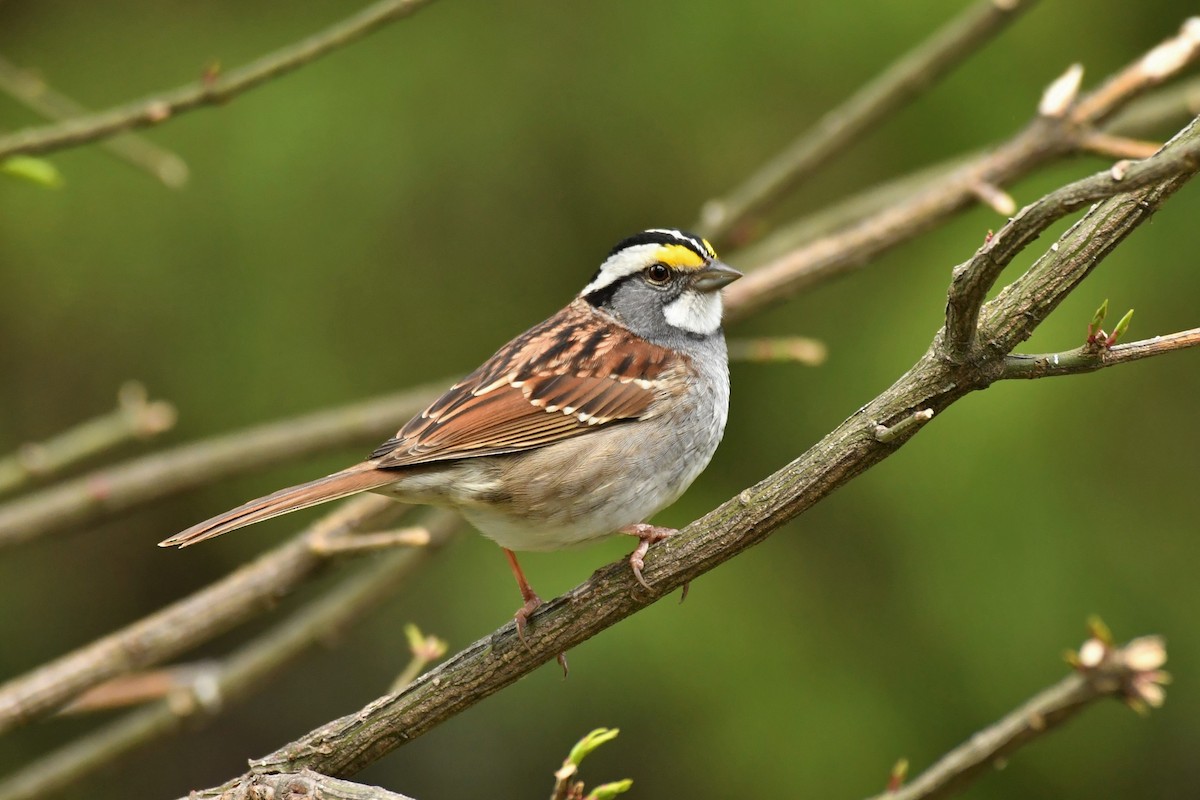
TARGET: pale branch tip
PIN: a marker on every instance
(135, 417)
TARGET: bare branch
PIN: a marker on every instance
(134, 418)
(795, 349)
(1116, 675)
(1086, 359)
(158, 108)
(1167, 108)
(222, 684)
(136, 150)
(975, 278)
(110, 490)
(914, 73)
(185, 623)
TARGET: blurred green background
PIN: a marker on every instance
(393, 213)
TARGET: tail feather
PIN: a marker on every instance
(350, 481)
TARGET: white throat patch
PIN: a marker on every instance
(695, 312)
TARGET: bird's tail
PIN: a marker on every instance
(359, 478)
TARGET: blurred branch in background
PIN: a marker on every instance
(1062, 126)
(212, 89)
(138, 151)
(214, 687)
(187, 622)
(1131, 673)
(905, 80)
(1162, 111)
(105, 492)
(134, 418)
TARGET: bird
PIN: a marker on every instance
(581, 427)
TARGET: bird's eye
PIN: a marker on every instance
(658, 274)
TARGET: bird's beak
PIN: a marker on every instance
(714, 276)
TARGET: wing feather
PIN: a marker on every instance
(574, 373)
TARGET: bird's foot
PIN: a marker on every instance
(647, 535)
(532, 603)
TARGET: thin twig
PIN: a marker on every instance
(136, 150)
(185, 623)
(346, 745)
(902, 82)
(234, 678)
(792, 349)
(1040, 715)
(103, 493)
(212, 90)
(134, 418)
(1085, 359)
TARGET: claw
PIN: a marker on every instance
(532, 603)
(647, 535)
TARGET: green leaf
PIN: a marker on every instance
(1122, 326)
(34, 170)
(608, 791)
(588, 743)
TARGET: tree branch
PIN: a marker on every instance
(906, 79)
(134, 418)
(346, 745)
(1117, 675)
(108, 491)
(239, 674)
(975, 278)
(135, 150)
(1167, 108)
(1086, 359)
(1046, 137)
(220, 89)
(187, 622)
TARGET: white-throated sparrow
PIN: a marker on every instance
(581, 427)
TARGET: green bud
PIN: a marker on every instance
(1122, 327)
(608, 791)
(416, 640)
(34, 170)
(1101, 313)
(587, 744)
(1099, 630)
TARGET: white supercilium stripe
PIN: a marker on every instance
(622, 264)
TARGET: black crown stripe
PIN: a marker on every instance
(688, 240)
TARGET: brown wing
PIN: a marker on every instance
(573, 373)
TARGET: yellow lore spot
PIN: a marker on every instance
(679, 256)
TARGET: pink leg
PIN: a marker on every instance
(532, 602)
(647, 535)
